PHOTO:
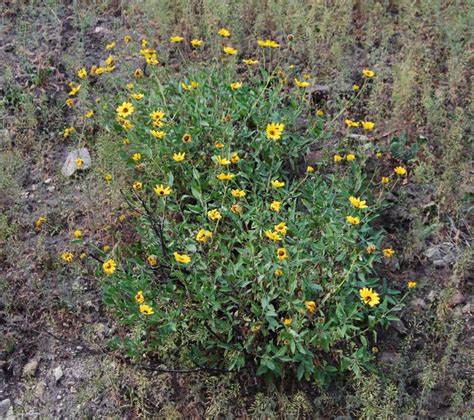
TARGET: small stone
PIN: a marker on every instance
(30, 368)
(70, 165)
(431, 296)
(419, 303)
(433, 253)
(456, 299)
(58, 373)
(39, 389)
(439, 263)
(5, 406)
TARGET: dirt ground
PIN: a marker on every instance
(53, 326)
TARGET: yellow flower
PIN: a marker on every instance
(130, 86)
(355, 88)
(187, 138)
(219, 145)
(179, 157)
(224, 32)
(83, 255)
(235, 85)
(77, 234)
(249, 61)
(287, 322)
(235, 158)
(157, 115)
(275, 206)
(82, 73)
(79, 163)
(146, 310)
(126, 141)
(230, 50)
(194, 84)
(378, 155)
(309, 169)
(268, 43)
(144, 43)
(139, 298)
(176, 39)
(124, 110)
(282, 254)
(400, 170)
(358, 203)
(110, 60)
(337, 158)
(67, 257)
(136, 157)
(385, 180)
(68, 131)
(369, 297)
(162, 191)
(137, 185)
(277, 184)
(110, 46)
(222, 161)
(368, 73)
(278, 272)
(273, 236)
(214, 215)
(107, 178)
(39, 222)
(351, 123)
(225, 177)
(238, 193)
(281, 228)
(69, 102)
(236, 209)
(127, 39)
(109, 266)
(368, 125)
(196, 42)
(310, 306)
(306, 76)
(411, 284)
(74, 89)
(388, 252)
(203, 235)
(320, 113)
(350, 157)
(371, 249)
(126, 124)
(158, 134)
(353, 220)
(182, 258)
(275, 130)
(301, 84)
(89, 114)
(152, 260)
(138, 73)
(137, 96)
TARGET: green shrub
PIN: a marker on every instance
(247, 257)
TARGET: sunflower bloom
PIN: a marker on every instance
(275, 206)
(162, 191)
(369, 297)
(67, 257)
(411, 284)
(400, 171)
(124, 110)
(238, 193)
(358, 203)
(353, 220)
(310, 306)
(203, 235)
(277, 184)
(158, 134)
(182, 258)
(249, 61)
(225, 33)
(187, 138)
(235, 85)
(139, 298)
(82, 73)
(337, 158)
(214, 215)
(275, 130)
(137, 185)
(350, 157)
(301, 84)
(282, 254)
(225, 177)
(281, 228)
(368, 125)
(230, 50)
(179, 157)
(287, 322)
(196, 42)
(146, 310)
(388, 252)
(273, 236)
(109, 266)
(176, 39)
(368, 73)
(222, 161)
(152, 260)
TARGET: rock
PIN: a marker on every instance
(70, 166)
(439, 263)
(5, 406)
(433, 253)
(456, 299)
(39, 389)
(58, 373)
(419, 303)
(388, 357)
(30, 368)
(431, 296)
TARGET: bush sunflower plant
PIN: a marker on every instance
(247, 258)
